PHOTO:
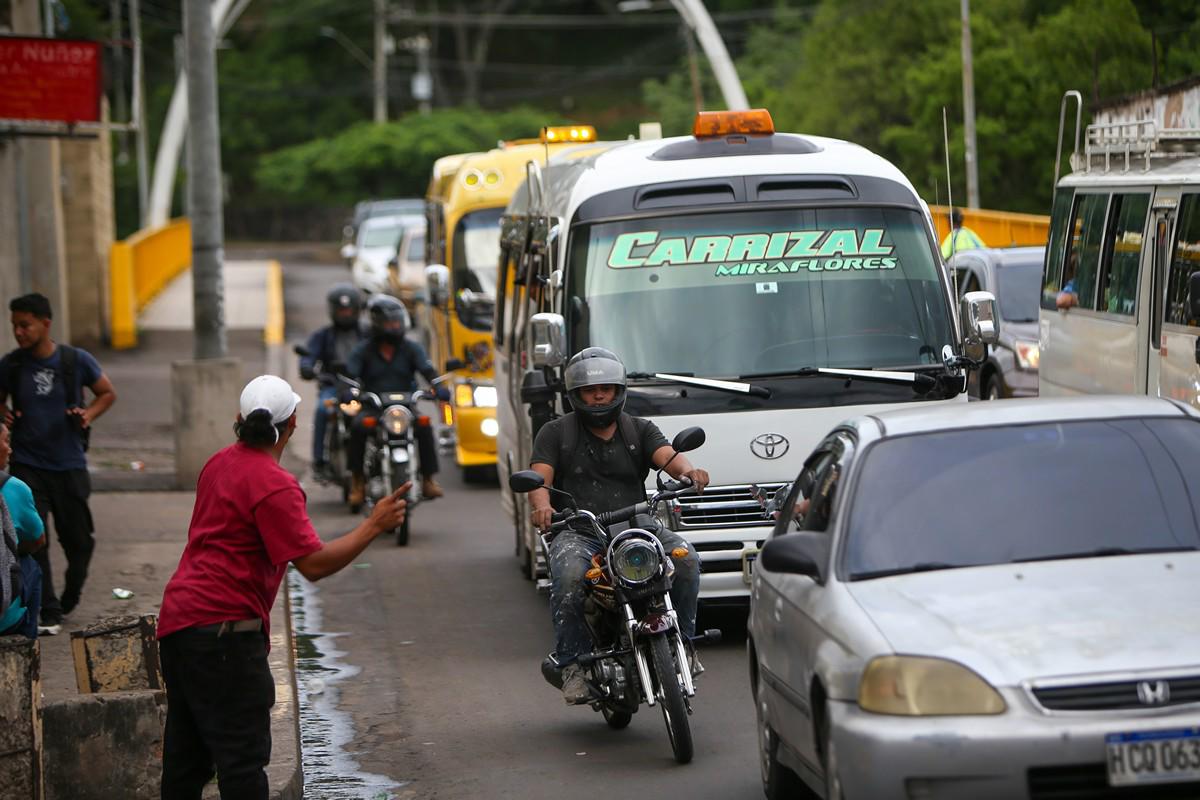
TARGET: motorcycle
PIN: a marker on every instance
(392, 456)
(341, 410)
(639, 652)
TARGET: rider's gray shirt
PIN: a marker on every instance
(601, 475)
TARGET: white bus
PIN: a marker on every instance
(1120, 310)
(762, 285)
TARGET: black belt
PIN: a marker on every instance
(222, 628)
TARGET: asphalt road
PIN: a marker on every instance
(447, 635)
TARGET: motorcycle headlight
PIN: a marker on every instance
(635, 561)
(914, 686)
(1028, 355)
(485, 396)
(396, 420)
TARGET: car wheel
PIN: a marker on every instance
(779, 782)
(992, 389)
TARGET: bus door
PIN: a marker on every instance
(1091, 346)
(1175, 371)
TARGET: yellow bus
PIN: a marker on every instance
(463, 210)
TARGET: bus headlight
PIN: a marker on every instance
(464, 397)
(396, 420)
(635, 561)
(1028, 355)
(490, 427)
(485, 396)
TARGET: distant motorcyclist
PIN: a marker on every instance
(602, 456)
(388, 362)
(329, 349)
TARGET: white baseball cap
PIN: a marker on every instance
(272, 393)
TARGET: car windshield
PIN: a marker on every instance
(1024, 493)
(381, 235)
(476, 258)
(725, 294)
(1019, 291)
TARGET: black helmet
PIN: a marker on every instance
(389, 317)
(345, 303)
(595, 366)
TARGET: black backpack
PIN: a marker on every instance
(10, 559)
(569, 445)
(68, 357)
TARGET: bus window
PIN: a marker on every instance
(476, 255)
(1052, 283)
(1118, 281)
(1185, 259)
(1082, 262)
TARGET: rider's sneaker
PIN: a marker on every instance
(575, 689)
(320, 471)
(697, 667)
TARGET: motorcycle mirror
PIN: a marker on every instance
(300, 350)
(688, 439)
(525, 481)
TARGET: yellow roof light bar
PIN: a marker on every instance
(714, 124)
(568, 133)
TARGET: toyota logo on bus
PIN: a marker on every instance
(769, 445)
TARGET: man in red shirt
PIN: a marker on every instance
(248, 524)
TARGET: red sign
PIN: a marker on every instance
(49, 80)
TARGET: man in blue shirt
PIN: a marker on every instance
(22, 614)
(43, 382)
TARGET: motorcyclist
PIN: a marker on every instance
(601, 456)
(388, 362)
(329, 349)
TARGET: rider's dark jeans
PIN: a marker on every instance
(570, 559)
(321, 422)
(426, 446)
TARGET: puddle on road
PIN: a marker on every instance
(330, 770)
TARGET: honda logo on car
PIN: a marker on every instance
(1154, 693)
(769, 445)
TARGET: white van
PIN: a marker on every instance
(761, 285)
(1119, 309)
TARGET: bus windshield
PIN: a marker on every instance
(476, 257)
(726, 294)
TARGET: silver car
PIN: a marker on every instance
(1014, 276)
(993, 600)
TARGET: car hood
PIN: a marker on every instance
(376, 257)
(1020, 622)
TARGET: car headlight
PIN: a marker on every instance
(1028, 355)
(914, 686)
(396, 420)
(635, 561)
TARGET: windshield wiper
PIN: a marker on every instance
(1103, 552)
(924, 566)
(704, 383)
(920, 382)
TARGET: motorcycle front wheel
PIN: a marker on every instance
(399, 476)
(674, 708)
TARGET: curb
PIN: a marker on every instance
(285, 774)
(120, 480)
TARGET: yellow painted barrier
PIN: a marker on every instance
(139, 268)
(273, 332)
(996, 228)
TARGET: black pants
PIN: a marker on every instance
(219, 697)
(426, 447)
(63, 495)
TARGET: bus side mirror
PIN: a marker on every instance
(437, 281)
(981, 325)
(1194, 296)
(548, 332)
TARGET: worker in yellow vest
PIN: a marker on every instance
(960, 237)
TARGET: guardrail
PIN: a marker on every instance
(139, 268)
(996, 228)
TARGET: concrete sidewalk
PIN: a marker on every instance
(142, 520)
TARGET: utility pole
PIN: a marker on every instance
(121, 110)
(969, 109)
(204, 181)
(380, 61)
(139, 113)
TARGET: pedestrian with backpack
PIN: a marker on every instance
(42, 381)
(20, 575)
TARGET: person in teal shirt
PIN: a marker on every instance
(21, 617)
(960, 237)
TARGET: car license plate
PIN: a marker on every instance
(748, 559)
(1169, 756)
(400, 455)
